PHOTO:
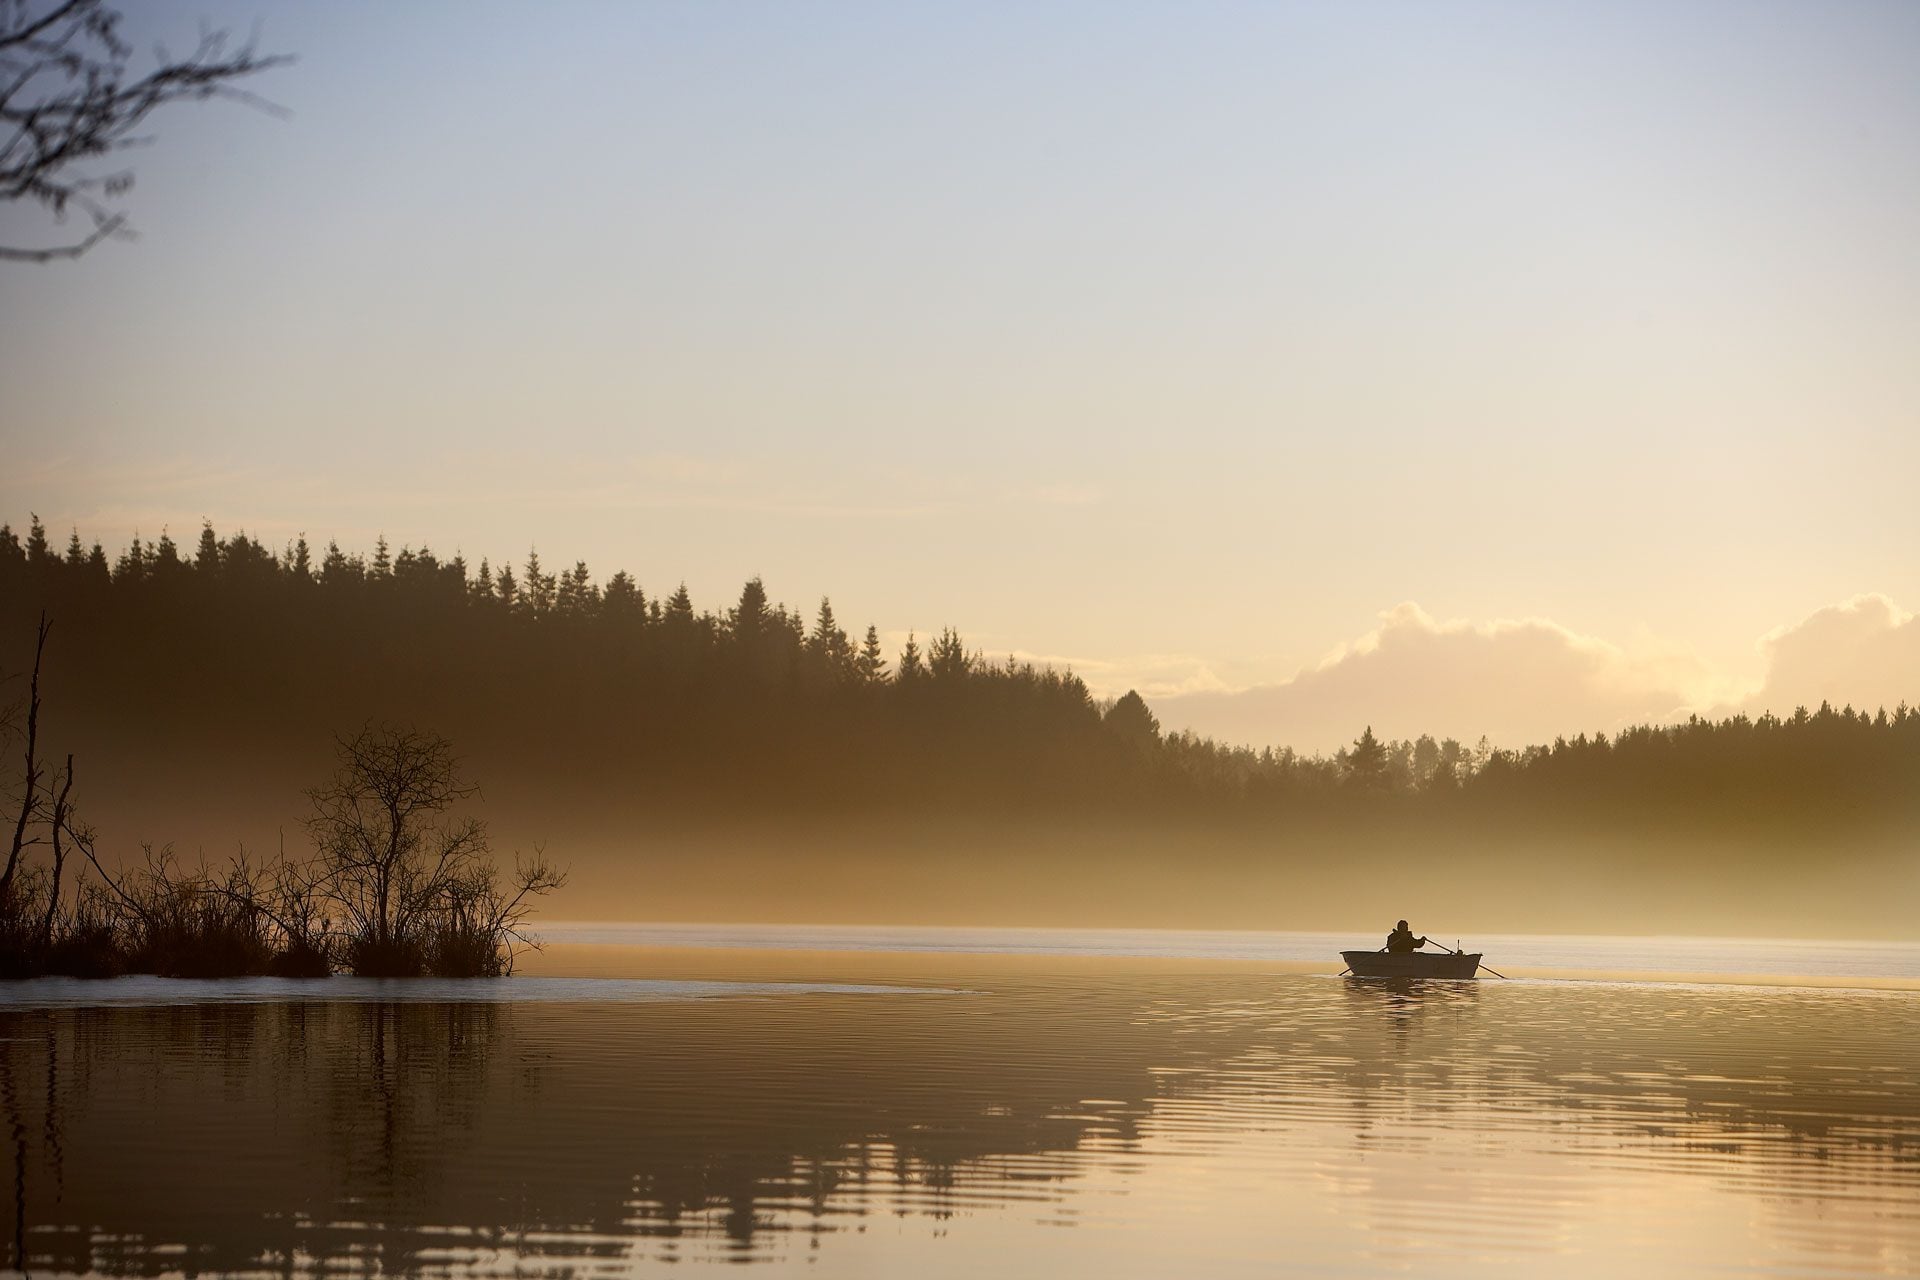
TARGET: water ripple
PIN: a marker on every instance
(1011, 1122)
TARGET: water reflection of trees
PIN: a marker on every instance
(394, 1135)
(251, 1135)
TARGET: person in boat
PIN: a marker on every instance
(1402, 939)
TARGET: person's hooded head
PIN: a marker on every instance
(1402, 926)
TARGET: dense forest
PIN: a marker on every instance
(621, 707)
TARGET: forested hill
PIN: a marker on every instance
(235, 652)
(758, 763)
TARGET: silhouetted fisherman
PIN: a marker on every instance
(1402, 939)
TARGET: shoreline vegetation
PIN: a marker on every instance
(754, 759)
(399, 883)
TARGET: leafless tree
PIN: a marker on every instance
(57, 826)
(402, 869)
(378, 826)
(488, 919)
(30, 802)
(294, 894)
(398, 883)
(68, 98)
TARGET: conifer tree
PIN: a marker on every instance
(538, 590)
(872, 664)
(911, 667)
(1133, 722)
(576, 595)
(38, 552)
(948, 658)
(1366, 762)
(792, 626)
(749, 618)
(132, 565)
(623, 599)
(824, 625)
(206, 556)
(1426, 760)
(333, 565)
(830, 646)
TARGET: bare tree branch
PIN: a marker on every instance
(29, 801)
(62, 811)
(68, 96)
(414, 884)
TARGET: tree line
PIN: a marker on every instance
(594, 684)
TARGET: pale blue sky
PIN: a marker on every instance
(1169, 337)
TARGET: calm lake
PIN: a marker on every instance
(965, 1103)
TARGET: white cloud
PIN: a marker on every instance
(1516, 681)
(1864, 651)
(1532, 679)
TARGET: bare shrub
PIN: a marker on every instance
(414, 882)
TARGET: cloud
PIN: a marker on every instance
(1532, 680)
(1515, 681)
(1864, 651)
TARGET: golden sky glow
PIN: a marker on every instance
(1186, 345)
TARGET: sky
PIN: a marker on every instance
(1466, 368)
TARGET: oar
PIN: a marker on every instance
(1349, 969)
(1490, 969)
(1458, 952)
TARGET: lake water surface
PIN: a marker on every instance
(1100, 1108)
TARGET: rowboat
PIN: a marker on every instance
(1412, 964)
